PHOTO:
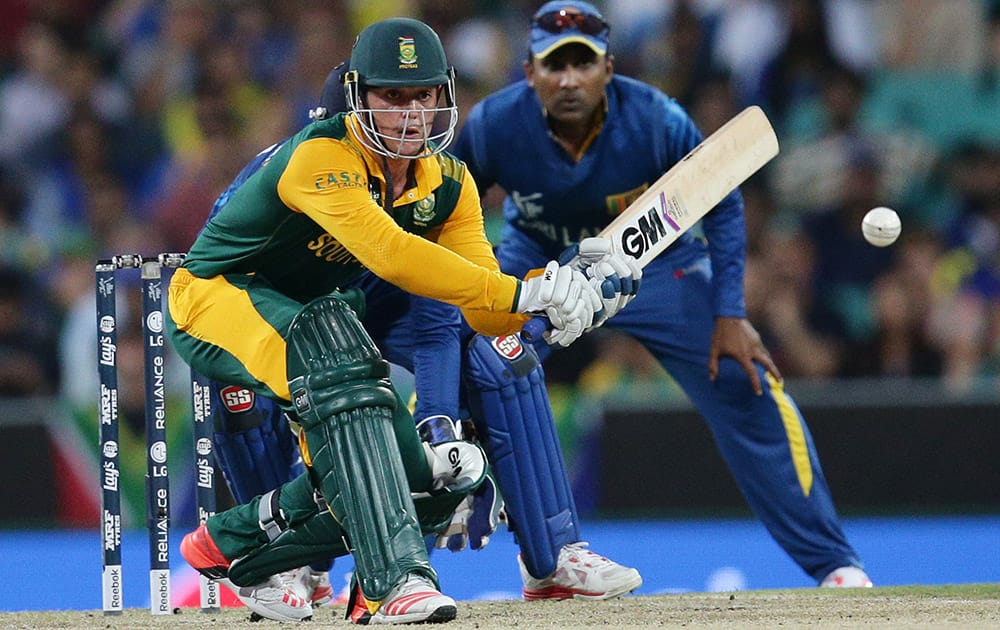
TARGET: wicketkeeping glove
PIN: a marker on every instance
(615, 276)
(475, 519)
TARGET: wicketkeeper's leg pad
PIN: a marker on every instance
(345, 402)
(254, 447)
(510, 406)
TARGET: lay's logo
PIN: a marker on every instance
(407, 53)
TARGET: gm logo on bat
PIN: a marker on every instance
(647, 229)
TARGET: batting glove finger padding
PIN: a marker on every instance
(615, 276)
(566, 297)
(583, 254)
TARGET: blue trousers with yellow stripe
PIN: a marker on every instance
(763, 439)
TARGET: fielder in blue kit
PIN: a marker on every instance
(572, 145)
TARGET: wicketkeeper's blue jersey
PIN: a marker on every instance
(553, 201)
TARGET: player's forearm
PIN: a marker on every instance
(435, 272)
(493, 324)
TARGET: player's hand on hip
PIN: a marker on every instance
(737, 338)
(615, 276)
(566, 297)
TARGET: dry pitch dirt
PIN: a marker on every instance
(960, 606)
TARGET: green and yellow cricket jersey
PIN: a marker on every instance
(308, 221)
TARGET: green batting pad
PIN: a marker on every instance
(341, 392)
(320, 538)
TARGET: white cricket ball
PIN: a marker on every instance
(881, 226)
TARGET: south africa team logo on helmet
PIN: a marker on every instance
(407, 52)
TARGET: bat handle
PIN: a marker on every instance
(532, 331)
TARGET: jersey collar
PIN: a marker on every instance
(595, 130)
(426, 170)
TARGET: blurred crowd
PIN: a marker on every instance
(122, 120)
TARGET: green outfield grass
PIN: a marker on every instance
(954, 606)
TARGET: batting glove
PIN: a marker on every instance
(615, 276)
(566, 297)
(456, 464)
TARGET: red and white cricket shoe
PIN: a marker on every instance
(580, 574)
(847, 577)
(273, 599)
(413, 600)
(312, 585)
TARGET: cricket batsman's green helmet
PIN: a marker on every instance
(399, 52)
(402, 53)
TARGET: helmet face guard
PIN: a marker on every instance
(401, 53)
(442, 131)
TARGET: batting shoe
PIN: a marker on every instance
(580, 574)
(414, 600)
(273, 599)
(847, 577)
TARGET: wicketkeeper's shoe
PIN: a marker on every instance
(273, 599)
(847, 577)
(580, 574)
(312, 585)
(413, 600)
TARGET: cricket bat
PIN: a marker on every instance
(688, 191)
(693, 186)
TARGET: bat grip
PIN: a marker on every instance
(532, 331)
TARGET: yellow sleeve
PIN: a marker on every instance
(328, 182)
(465, 234)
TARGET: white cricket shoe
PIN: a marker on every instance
(274, 599)
(413, 600)
(580, 574)
(311, 585)
(846, 577)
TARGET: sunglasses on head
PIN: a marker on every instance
(559, 21)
